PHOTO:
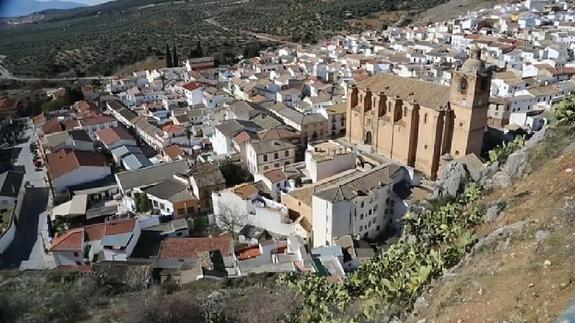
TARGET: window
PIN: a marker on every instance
(191, 210)
(362, 204)
(425, 118)
(78, 263)
(181, 211)
(370, 212)
(375, 208)
(286, 153)
(361, 228)
(276, 165)
(266, 167)
(457, 153)
(377, 228)
(265, 158)
(461, 125)
(361, 216)
(276, 155)
(424, 146)
(76, 254)
(463, 85)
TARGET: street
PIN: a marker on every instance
(28, 247)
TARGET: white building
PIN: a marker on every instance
(326, 159)
(247, 206)
(361, 206)
(68, 168)
(267, 155)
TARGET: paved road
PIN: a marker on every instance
(34, 203)
(30, 226)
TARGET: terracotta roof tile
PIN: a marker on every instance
(119, 226)
(245, 191)
(192, 86)
(71, 240)
(64, 161)
(111, 135)
(275, 175)
(174, 152)
(190, 247)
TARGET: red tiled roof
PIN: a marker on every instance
(242, 137)
(71, 240)
(71, 124)
(275, 175)
(82, 106)
(51, 126)
(174, 151)
(192, 86)
(171, 128)
(95, 232)
(64, 161)
(119, 226)
(111, 135)
(39, 119)
(245, 190)
(190, 247)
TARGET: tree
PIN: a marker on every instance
(74, 94)
(175, 58)
(565, 111)
(228, 219)
(143, 203)
(197, 52)
(168, 57)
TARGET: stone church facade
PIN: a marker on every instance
(416, 122)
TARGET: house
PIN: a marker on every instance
(121, 113)
(327, 159)
(97, 122)
(362, 205)
(204, 179)
(74, 139)
(120, 237)
(245, 204)
(275, 180)
(120, 152)
(173, 197)
(335, 116)
(11, 189)
(197, 258)
(312, 126)
(194, 93)
(224, 133)
(267, 155)
(115, 137)
(134, 161)
(173, 153)
(71, 167)
(133, 182)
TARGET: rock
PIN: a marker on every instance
(547, 263)
(500, 180)
(491, 214)
(420, 304)
(500, 234)
(541, 235)
(453, 178)
(516, 164)
(531, 285)
(535, 139)
(569, 149)
(565, 283)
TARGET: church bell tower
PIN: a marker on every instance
(469, 100)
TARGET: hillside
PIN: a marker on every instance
(101, 39)
(521, 269)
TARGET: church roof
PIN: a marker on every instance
(427, 94)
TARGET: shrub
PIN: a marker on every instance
(502, 152)
(564, 111)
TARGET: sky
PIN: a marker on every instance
(86, 2)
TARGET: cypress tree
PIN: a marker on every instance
(175, 58)
(199, 50)
(168, 57)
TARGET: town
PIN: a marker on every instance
(302, 159)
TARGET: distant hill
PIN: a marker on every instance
(16, 8)
(102, 39)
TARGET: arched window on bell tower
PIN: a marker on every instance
(463, 85)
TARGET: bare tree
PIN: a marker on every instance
(229, 218)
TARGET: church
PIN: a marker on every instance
(416, 122)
